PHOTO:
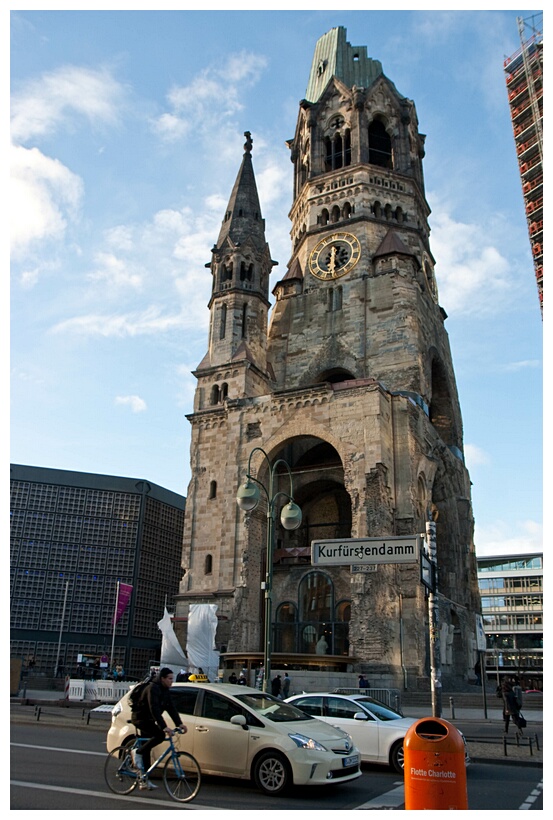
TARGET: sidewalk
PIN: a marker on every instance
(489, 748)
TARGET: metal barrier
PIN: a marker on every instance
(390, 697)
(98, 690)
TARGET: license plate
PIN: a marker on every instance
(352, 760)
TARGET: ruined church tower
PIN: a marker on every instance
(349, 380)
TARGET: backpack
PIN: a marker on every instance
(139, 708)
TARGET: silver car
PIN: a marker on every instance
(237, 731)
(377, 730)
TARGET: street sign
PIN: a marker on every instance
(428, 572)
(389, 549)
(480, 634)
(363, 568)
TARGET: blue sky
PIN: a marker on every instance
(127, 133)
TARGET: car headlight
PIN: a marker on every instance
(307, 743)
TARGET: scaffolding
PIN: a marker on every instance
(524, 78)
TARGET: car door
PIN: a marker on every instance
(340, 712)
(219, 745)
(184, 699)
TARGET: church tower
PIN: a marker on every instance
(352, 384)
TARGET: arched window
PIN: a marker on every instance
(335, 215)
(223, 325)
(213, 489)
(246, 272)
(316, 595)
(285, 627)
(316, 604)
(208, 565)
(226, 272)
(324, 217)
(347, 148)
(346, 210)
(244, 317)
(224, 392)
(215, 394)
(380, 145)
(341, 628)
(337, 150)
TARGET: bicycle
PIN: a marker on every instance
(181, 774)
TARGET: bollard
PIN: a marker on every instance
(435, 775)
(452, 707)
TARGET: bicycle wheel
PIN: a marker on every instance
(119, 772)
(182, 777)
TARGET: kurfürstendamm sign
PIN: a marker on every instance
(389, 549)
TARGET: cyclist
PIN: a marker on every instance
(147, 716)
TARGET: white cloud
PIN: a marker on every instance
(501, 539)
(44, 197)
(149, 321)
(210, 99)
(475, 456)
(115, 273)
(136, 404)
(525, 364)
(473, 276)
(51, 101)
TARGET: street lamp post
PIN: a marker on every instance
(247, 498)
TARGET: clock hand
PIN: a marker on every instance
(332, 263)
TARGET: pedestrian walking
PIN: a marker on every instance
(511, 708)
(276, 686)
(286, 686)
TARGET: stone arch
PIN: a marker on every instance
(441, 408)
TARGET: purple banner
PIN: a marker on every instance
(125, 592)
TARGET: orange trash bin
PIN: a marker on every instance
(434, 769)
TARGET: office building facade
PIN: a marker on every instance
(73, 537)
(511, 590)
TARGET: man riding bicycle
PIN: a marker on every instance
(147, 716)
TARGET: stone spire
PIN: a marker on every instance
(243, 215)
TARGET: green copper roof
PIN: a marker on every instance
(335, 57)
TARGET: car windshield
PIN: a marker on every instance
(272, 708)
(379, 710)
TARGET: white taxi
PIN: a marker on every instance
(237, 731)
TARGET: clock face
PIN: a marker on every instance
(334, 256)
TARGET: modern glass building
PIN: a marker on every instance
(73, 537)
(511, 589)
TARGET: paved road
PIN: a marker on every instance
(57, 764)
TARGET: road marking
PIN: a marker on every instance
(532, 797)
(110, 796)
(389, 800)
(58, 749)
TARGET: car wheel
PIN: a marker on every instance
(272, 773)
(397, 757)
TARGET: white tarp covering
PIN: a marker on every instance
(200, 643)
(172, 654)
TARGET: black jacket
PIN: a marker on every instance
(155, 700)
